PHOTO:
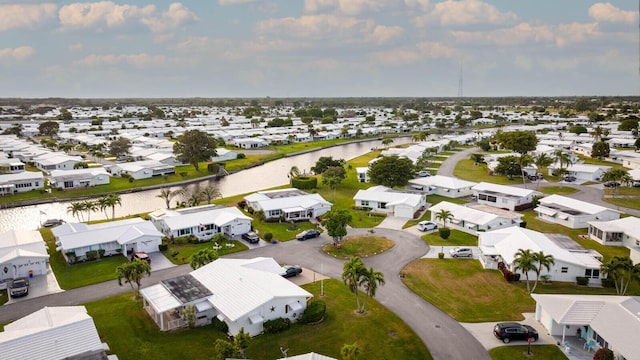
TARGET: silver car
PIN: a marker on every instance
(461, 252)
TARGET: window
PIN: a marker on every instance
(364, 202)
(482, 197)
(592, 273)
(382, 205)
(564, 269)
(491, 199)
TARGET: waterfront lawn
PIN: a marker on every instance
(466, 170)
(83, 273)
(380, 334)
(519, 352)
(465, 291)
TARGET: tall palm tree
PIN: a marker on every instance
(543, 261)
(202, 258)
(103, 205)
(444, 216)
(111, 201)
(541, 160)
(562, 158)
(351, 273)
(210, 193)
(293, 173)
(76, 208)
(421, 136)
(618, 175)
(167, 195)
(525, 262)
(524, 160)
(194, 199)
(370, 280)
(90, 206)
(622, 272)
(597, 133)
(133, 272)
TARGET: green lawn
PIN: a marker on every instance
(628, 202)
(361, 246)
(624, 196)
(465, 291)
(175, 252)
(380, 334)
(457, 238)
(560, 190)
(519, 352)
(466, 170)
(4, 297)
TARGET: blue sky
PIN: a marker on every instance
(318, 48)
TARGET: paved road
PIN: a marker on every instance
(449, 164)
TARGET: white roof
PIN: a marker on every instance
(391, 197)
(50, 333)
(160, 298)
(218, 216)
(635, 174)
(21, 243)
(25, 175)
(586, 168)
(119, 231)
(628, 225)
(441, 181)
(305, 201)
(89, 172)
(615, 318)
(504, 189)
(572, 204)
(308, 356)
(241, 286)
(467, 214)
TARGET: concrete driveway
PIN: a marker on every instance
(39, 286)
(159, 261)
(393, 222)
(483, 332)
(434, 250)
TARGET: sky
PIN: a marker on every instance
(318, 48)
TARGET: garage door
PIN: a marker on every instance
(403, 211)
(148, 246)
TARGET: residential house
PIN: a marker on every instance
(572, 213)
(223, 154)
(201, 221)
(308, 356)
(363, 174)
(404, 204)
(288, 204)
(249, 143)
(619, 232)
(79, 178)
(631, 163)
(11, 166)
(584, 172)
(571, 259)
(602, 320)
(473, 220)
(56, 161)
(243, 293)
(21, 182)
(503, 196)
(62, 332)
(446, 186)
(23, 253)
(79, 241)
(141, 169)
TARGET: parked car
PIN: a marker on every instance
(251, 237)
(461, 252)
(52, 222)
(570, 178)
(141, 255)
(424, 173)
(308, 234)
(636, 184)
(426, 226)
(536, 177)
(611, 184)
(514, 331)
(291, 270)
(19, 287)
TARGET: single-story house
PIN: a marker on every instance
(572, 213)
(363, 174)
(21, 182)
(223, 154)
(11, 166)
(79, 241)
(56, 161)
(61, 332)
(611, 321)
(201, 221)
(23, 253)
(631, 163)
(446, 186)
(79, 178)
(473, 220)
(141, 169)
(403, 204)
(243, 293)
(571, 259)
(289, 204)
(619, 232)
(249, 143)
(585, 172)
(308, 356)
(503, 196)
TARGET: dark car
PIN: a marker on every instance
(611, 184)
(19, 287)
(514, 331)
(52, 222)
(251, 237)
(291, 270)
(570, 178)
(141, 255)
(308, 234)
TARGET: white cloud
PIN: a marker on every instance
(350, 7)
(382, 34)
(88, 15)
(464, 12)
(524, 33)
(138, 60)
(19, 53)
(435, 50)
(176, 16)
(423, 5)
(317, 26)
(25, 16)
(605, 12)
(75, 47)
(234, 2)
(423, 50)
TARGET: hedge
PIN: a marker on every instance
(276, 325)
(304, 182)
(219, 325)
(314, 313)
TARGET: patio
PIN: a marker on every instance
(575, 349)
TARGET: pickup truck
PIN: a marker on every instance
(19, 287)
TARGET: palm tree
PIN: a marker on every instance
(622, 272)
(203, 257)
(194, 199)
(562, 158)
(444, 216)
(76, 208)
(293, 173)
(350, 351)
(90, 206)
(210, 193)
(421, 136)
(167, 195)
(618, 175)
(110, 201)
(370, 280)
(387, 141)
(597, 133)
(525, 262)
(103, 206)
(133, 272)
(541, 160)
(351, 273)
(524, 160)
(544, 261)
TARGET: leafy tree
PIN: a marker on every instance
(202, 258)
(387, 141)
(48, 128)
(392, 171)
(600, 150)
(622, 272)
(325, 162)
(370, 280)
(133, 272)
(223, 349)
(485, 145)
(517, 141)
(508, 166)
(194, 146)
(525, 261)
(336, 222)
(120, 147)
(578, 129)
(543, 261)
(477, 159)
(628, 125)
(210, 193)
(333, 176)
(637, 144)
(444, 215)
(604, 354)
(524, 160)
(350, 351)
(421, 136)
(65, 115)
(541, 160)
(352, 272)
(167, 195)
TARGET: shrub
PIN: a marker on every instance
(213, 167)
(119, 250)
(304, 182)
(219, 325)
(91, 255)
(163, 247)
(182, 174)
(101, 252)
(444, 233)
(603, 354)
(516, 277)
(581, 280)
(508, 275)
(71, 256)
(608, 283)
(378, 214)
(268, 236)
(131, 179)
(276, 325)
(314, 313)
(440, 255)
(241, 156)
(192, 239)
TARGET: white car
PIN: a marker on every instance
(461, 252)
(426, 226)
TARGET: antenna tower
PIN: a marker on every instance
(460, 82)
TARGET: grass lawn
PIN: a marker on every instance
(557, 287)
(175, 252)
(519, 352)
(4, 297)
(380, 334)
(624, 196)
(465, 291)
(466, 170)
(628, 202)
(361, 246)
(560, 190)
(457, 238)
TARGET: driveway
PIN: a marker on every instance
(392, 222)
(484, 333)
(159, 261)
(433, 252)
(39, 286)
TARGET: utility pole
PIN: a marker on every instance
(460, 82)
